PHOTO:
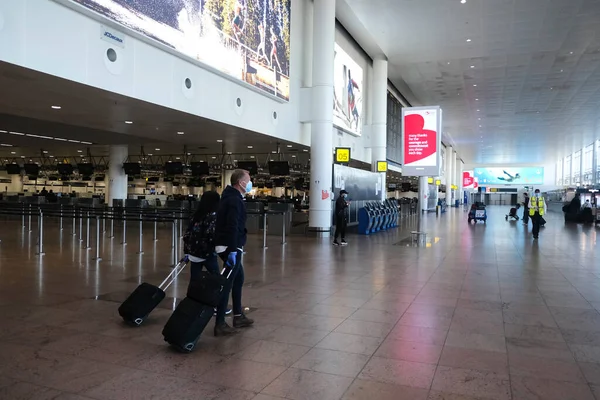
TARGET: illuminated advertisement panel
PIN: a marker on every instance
(347, 93)
(245, 39)
(510, 176)
(421, 136)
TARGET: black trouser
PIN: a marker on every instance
(536, 219)
(340, 228)
(525, 215)
(233, 286)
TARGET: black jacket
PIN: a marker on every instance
(341, 208)
(230, 230)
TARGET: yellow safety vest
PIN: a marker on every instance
(536, 204)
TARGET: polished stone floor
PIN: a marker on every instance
(482, 312)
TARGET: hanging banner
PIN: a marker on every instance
(468, 180)
(421, 136)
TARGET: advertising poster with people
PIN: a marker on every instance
(510, 176)
(246, 39)
(347, 92)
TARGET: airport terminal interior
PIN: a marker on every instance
(421, 217)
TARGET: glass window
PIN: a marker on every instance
(567, 171)
(559, 172)
(588, 160)
(576, 168)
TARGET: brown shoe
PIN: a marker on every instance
(241, 321)
(224, 330)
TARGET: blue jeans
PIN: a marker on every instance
(234, 285)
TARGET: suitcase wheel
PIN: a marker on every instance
(138, 321)
(183, 349)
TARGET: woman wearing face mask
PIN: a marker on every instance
(341, 218)
(537, 209)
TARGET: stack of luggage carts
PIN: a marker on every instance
(192, 314)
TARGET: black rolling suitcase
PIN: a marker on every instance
(146, 297)
(192, 315)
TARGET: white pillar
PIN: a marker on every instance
(16, 183)
(117, 179)
(423, 193)
(459, 180)
(321, 149)
(449, 172)
(226, 178)
(379, 115)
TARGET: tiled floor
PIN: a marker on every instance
(483, 313)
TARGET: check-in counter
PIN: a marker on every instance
(254, 221)
(276, 221)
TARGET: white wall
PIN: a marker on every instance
(46, 36)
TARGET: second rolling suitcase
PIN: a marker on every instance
(186, 324)
(146, 297)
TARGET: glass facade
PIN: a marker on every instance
(567, 171)
(581, 168)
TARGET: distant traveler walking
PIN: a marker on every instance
(537, 209)
(341, 218)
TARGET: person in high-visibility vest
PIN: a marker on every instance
(537, 209)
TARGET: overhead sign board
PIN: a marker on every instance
(421, 136)
(342, 155)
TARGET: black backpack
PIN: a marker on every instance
(199, 239)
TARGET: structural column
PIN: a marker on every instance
(321, 139)
(117, 179)
(449, 173)
(379, 116)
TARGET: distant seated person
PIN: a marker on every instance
(587, 204)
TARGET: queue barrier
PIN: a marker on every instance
(378, 216)
(83, 216)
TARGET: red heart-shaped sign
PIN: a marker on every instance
(468, 181)
(419, 143)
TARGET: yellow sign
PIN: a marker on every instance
(382, 166)
(342, 155)
(493, 190)
(429, 180)
(438, 182)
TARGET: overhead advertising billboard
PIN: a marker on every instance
(510, 176)
(245, 39)
(347, 92)
(421, 136)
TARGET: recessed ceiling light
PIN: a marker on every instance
(571, 52)
(479, 119)
(180, 133)
(80, 151)
(250, 147)
(214, 158)
(289, 145)
(561, 70)
(463, 1)
(477, 110)
(86, 142)
(178, 158)
(45, 152)
(150, 154)
(476, 99)
(6, 145)
(448, 62)
(56, 107)
(474, 85)
(480, 126)
(13, 152)
(219, 141)
(51, 156)
(293, 156)
(189, 154)
(273, 152)
(306, 150)
(156, 149)
(129, 122)
(251, 156)
(472, 66)
(468, 40)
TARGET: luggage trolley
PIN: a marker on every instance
(477, 213)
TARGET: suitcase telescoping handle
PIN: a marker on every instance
(173, 274)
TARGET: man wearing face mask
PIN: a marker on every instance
(341, 218)
(230, 238)
(537, 209)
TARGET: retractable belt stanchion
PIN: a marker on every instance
(175, 258)
(87, 234)
(284, 223)
(40, 233)
(141, 251)
(74, 221)
(124, 242)
(23, 216)
(155, 224)
(180, 223)
(265, 231)
(61, 218)
(80, 214)
(112, 223)
(98, 258)
(30, 211)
